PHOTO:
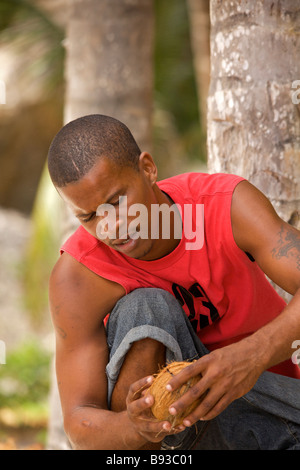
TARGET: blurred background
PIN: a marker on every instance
(32, 58)
(203, 85)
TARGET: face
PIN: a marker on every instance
(106, 183)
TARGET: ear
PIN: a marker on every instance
(148, 167)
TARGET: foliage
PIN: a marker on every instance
(28, 27)
(24, 379)
(175, 85)
(43, 248)
(11, 10)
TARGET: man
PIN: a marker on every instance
(127, 296)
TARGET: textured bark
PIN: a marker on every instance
(109, 70)
(253, 124)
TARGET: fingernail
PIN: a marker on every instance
(169, 388)
(172, 410)
(166, 427)
(148, 400)
(187, 423)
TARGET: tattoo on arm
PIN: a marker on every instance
(288, 245)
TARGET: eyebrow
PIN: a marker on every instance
(111, 197)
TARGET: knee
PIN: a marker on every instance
(144, 306)
(147, 300)
(148, 295)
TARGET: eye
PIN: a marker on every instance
(120, 201)
(88, 219)
(115, 203)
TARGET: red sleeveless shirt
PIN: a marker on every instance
(222, 290)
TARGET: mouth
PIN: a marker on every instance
(123, 241)
(125, 245)
(117, 242)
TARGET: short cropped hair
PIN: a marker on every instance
(80, 143)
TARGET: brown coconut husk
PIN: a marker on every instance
(164, 399)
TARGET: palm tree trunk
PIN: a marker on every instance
(253, 124)
(109, 66)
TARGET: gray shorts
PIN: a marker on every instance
(268, 417)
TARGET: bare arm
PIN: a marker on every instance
(79, 302)
(275, 245)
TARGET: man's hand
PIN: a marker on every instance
(227, 374)
(139, 412)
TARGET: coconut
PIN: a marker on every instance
(163, 399)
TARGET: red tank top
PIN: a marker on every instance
(222, 290)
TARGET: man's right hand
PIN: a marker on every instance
(139, 404)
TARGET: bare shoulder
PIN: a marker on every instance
(77, 296)
(254, 220)
(273, 242)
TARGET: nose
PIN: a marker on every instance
(121, 227)
(112, 227)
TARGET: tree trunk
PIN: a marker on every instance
(253, 123)
(109, 70)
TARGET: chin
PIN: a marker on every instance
(145, 253)
(141, 251)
